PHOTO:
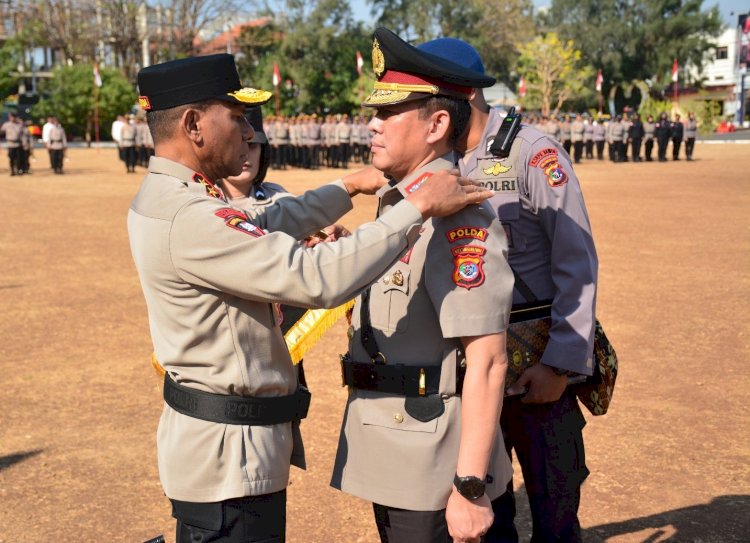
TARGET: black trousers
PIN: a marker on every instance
(56, 158)
(635, 144)
(548, 442)
(649, 148)
(578, 151)
(689, 146)
(589, 145)
(662, 148)
(14, 160)
(566, 146)
(405, 526)
(251, 519)
(600, 150)
(676, 148)
(131, 158)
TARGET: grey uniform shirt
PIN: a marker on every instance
(12, 132)
(691, 129)
(210, 276)
(419, 310)
(576, 131)
(57, 139)
(539, 202)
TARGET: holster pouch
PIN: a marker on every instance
(425, 408)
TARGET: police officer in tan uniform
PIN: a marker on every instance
(426, 361)
(538, 200)
(212, 277)
(12, 132)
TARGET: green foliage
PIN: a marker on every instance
(553, 72)
(654, 107)
(11, 53)
(69, 96)
(639, 39)
(707, 114)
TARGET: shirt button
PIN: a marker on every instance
(398, 417)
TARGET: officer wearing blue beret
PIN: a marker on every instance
(538, 200)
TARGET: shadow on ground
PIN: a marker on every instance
(8, 460)
(725, 519)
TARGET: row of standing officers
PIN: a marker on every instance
(626, 133)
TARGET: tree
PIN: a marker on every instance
(553, 72)
(69, 96)
(638, 39)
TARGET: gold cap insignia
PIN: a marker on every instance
(251, 96)
(378, 60)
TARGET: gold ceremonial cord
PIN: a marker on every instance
(402, 87)
(301, 337)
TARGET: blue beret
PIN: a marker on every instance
(455, 50)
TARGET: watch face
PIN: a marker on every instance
(470, 487)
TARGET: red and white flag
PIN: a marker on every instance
(599, 81)
(675, 73)
(276, 75)
(97, 76)
(360, 63)
(522, 87)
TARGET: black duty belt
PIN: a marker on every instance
(410, 381)
(226, 409)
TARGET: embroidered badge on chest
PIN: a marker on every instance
(546, 159)
(238, 220)
(211, 189)
(468, 270)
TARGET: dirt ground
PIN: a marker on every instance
(80, 403)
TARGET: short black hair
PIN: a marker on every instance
(458, 109)
(162, 122)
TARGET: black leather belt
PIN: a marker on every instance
(410, 381)
(245, 410)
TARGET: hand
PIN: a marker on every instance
(327, 234)
(445, 192)
(544, 385)
(366, 181)
(468, 520)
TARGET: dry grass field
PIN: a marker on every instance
(80, 403)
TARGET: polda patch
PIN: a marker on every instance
(467, 232)
(547, 160)
(238, 220)
(468, 266)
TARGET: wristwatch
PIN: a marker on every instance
(470, 487)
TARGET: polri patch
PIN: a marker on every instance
(467, 232)
(468, 266)
(238, 220)
(211, 190)
(418, 182)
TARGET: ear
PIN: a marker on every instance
(440, 124)
(190, 123)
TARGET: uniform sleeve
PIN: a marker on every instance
(467, 274)
(555, 195)
(217, 247)
(302, 215)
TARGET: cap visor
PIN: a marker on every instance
(259, 137)
(247, 96)
(380, 97)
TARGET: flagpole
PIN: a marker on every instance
(97, 82)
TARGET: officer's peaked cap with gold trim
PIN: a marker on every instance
(407, 73)
(192, 80)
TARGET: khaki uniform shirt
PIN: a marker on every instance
(384, 454)
(343, 132)
(57, 139)
(211, 276)
(648, 130)
(691, 129)
(128, 135)
(576, 131)
(12, 132)
(539, 202)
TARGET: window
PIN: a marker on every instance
(721, 53)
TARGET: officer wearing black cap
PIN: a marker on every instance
(539, 202)
(426, 361)
(212, 277)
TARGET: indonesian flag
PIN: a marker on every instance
(522, 87)
(599, 81)
(276, 75)
(675, 75)
(97, 76)
(360, 63)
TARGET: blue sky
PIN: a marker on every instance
(727, 7)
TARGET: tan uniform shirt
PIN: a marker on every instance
(444, 292)
(12, 132)
(57, 139)
(210, 277)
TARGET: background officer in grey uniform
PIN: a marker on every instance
(691, 131)
(11, 131)
(576, 131)
(552, 255)
(415, 441)
(211, 277)
(648, 137)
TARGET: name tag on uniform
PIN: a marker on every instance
(496, 176)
